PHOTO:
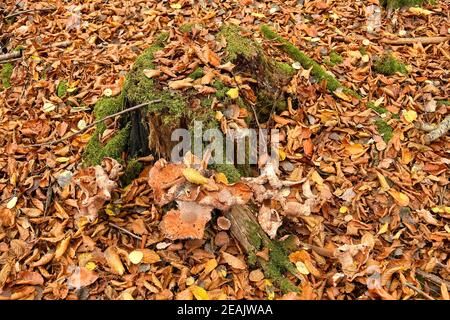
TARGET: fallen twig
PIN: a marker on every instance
(433, 278)
(422, 40)
(426, 295)
(94, 124)
(10, 55)
(435, 131)
(12, 15)
(131, 234)
(8, 61)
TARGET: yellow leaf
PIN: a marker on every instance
(399, 197)
(316, 178)
(384, 228)
(150, 256)
(407, 156)
(190, 281)
(210, 265)
(281, 154)
(113, 259)
(135, 256)
(343, 210)
(62, 159)
(221, 178)
(354, 149)
(384, 185)
(258, 15)
(62, 247)
(107, 92)
(12, 203)
(342, 95)
(199, 293)
(447, 228)
(175, 6)
(301, 267)
(420, 11)
(398, 234)
(410, 115)
(193, 176)
(48, 107)
(91, 265)
(233, 93)
(127, 296)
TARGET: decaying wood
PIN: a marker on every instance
(435, 131)
(422, 40)
(10, 55)
(433, 278)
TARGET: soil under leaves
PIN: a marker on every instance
(366, 199)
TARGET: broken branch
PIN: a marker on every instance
(422, 40)
(10, 55)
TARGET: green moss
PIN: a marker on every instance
(131, 172)
(61, 89)
(222, 89)
(229, 170)
(285, 69)
(377, 109)
(197, 73)
(237, 44)
(335, 58)
(362, 50)
(278, 263)
(187, 27)
(395, 4)
(444, 102)
(317, 71)
(388, 65)
(5, 75)
(95, 151)
(384, 130)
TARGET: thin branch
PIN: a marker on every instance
(131, 234)
(433, 278)
(426, 295)
(422, 40)
(94, 124)
(12, 15)
(10, 55)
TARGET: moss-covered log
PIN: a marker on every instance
(246, 230)
(307, 62)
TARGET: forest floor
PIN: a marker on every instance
(381, 201)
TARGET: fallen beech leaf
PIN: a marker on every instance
(81, 277)
(150, 256)
(12, 203)
(354, 149)
(383, 228)
(210, 265)
(29, 277)
(151, 73)
(256, 275)
(301, 267)
(186, 223)
(193, 176)
(233, 261)
(136, 256)
(113, 259)
(181, 84)
(62, 247)
(48, 107)
(420, 11)
(410, 115)
(233, 93)
(199, 293)
(383, 183)
(399, 197)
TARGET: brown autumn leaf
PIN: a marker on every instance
(233, 261)
(81, 277)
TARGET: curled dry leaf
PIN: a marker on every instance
(181, 84)
(269, 220)
(188, 222)
(81, 277)
(113, 259)
(233, 261)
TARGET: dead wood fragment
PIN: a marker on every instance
(435, 131)
(10, 55)
(426, 295)
(433, 278)
(422, 40)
